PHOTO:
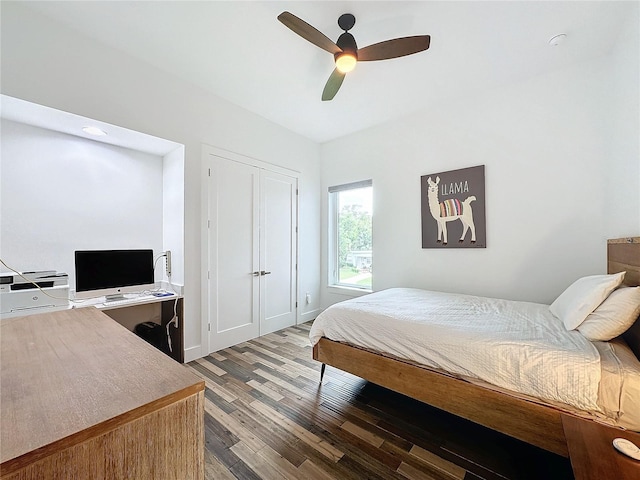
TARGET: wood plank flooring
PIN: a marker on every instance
(268, 417)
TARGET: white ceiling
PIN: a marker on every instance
(48, 118)
(239, 51)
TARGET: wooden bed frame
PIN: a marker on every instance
(537, 424)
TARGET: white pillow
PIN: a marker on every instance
(614, 317)
(582, 297)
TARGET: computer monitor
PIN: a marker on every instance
(113, 272)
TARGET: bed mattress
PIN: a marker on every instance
(518, 346)
(619, 389)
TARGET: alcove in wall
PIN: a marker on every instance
(62, 189)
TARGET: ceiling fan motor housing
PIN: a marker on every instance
(347, 44)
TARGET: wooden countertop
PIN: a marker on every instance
(71, 375)
(592, 454)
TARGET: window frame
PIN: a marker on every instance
(333, 240)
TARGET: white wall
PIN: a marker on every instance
(622, 91)
(46, 63)
(61, 193)
(549, 165)
(173, 212)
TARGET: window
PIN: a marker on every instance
(350, 235)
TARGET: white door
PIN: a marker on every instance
(278, 251)
(252, 250)
(234, 253)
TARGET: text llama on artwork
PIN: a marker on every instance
(450, 210)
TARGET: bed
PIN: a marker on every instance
(457, 385)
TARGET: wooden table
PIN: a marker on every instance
(83, 397)
(592, 454)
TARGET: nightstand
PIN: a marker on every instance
(592, 454)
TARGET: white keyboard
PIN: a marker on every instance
(127, 301)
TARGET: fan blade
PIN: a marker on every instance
(333, 85)
(398, 47)
(308, 32)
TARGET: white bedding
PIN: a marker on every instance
(519, 346)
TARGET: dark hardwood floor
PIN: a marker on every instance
(268, 417)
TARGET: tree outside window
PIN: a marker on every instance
(352, 252)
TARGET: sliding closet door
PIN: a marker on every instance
(278, 251)
(252, 251)
(234, 253)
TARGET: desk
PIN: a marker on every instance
(138, 310)
(592, 454)
(73, 406)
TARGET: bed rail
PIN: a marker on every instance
(531, 422)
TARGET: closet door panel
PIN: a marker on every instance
(234, 253)
(278, 253)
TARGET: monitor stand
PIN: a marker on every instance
(114, 297)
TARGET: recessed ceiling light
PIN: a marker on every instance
(557, 39)
(94, 131)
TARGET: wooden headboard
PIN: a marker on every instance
(623, 255)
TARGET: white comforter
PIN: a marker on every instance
(515, 345)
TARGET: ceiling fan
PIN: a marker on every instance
(345, 50)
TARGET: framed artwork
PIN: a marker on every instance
(453, 209)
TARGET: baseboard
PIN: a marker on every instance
(310, 315)
(192, 353)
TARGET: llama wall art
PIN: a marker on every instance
(453, 204)
(450, 210)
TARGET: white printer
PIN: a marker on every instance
(19, 295)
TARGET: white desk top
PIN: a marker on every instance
(130, 300)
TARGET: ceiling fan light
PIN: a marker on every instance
(346, 62)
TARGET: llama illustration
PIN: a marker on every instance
(450, 210)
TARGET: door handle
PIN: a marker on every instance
(256, 274)
(265, 273)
